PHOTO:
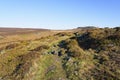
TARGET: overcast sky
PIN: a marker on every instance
(59, 14)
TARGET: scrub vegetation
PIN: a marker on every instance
(78, 54)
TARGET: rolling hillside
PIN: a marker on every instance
(78, 54)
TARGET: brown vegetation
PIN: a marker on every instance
(82, 54)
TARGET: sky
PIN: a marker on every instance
(59, 14)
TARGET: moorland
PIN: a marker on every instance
(89, 53)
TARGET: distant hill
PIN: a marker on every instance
(87, 27)
(12, 31)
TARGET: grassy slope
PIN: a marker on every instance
(92, 55)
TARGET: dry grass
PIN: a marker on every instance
(60, 55)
